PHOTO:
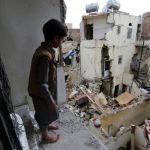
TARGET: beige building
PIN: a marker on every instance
(108, 43)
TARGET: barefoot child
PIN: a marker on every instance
(42, 79)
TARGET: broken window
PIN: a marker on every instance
(116, 91)
(138, 33)
(89, 31)
(130, 24)
(105, 62)
(118, 29)
(129, 33)
(124, 88)
(120, 59)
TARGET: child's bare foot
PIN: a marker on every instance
(53, 127)
(50, 139)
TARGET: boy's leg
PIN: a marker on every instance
(48, 138)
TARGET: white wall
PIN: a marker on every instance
(20, 34)
(99, 26)
(123, 46)
(91, 59)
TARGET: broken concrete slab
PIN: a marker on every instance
(100, 99)
(73, 135)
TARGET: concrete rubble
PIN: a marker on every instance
(109, 112)
(108, 118)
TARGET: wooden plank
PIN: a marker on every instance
(124, 99)
(101, 109)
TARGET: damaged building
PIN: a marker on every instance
(108, 42)
(116, 45)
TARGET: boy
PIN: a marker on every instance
(42, 79)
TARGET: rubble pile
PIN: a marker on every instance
(90, 104)
(86, 103)
(107, 108)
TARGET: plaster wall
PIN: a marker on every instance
(126, 117)
(20, 34)
(100, 26)
(91, 59)
(122, 45)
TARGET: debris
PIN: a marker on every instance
(67, 45)
(69, 107)
(83, 114)
(89, 91)
(101, 109)
(100, 99)
(94, 86)
(73, 94)
(97, 123)
(144, 91)
(124, 99)
(81, 101)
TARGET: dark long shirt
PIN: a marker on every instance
(42, 79)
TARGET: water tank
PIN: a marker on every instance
(113, 4)
(146, 26)
(93, 7)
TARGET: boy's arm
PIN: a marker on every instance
(42, 79)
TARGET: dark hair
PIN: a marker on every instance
(54, 28)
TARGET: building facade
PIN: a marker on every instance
(107, 46)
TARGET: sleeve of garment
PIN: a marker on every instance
(42, 79)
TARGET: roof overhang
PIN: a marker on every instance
(94, 15)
